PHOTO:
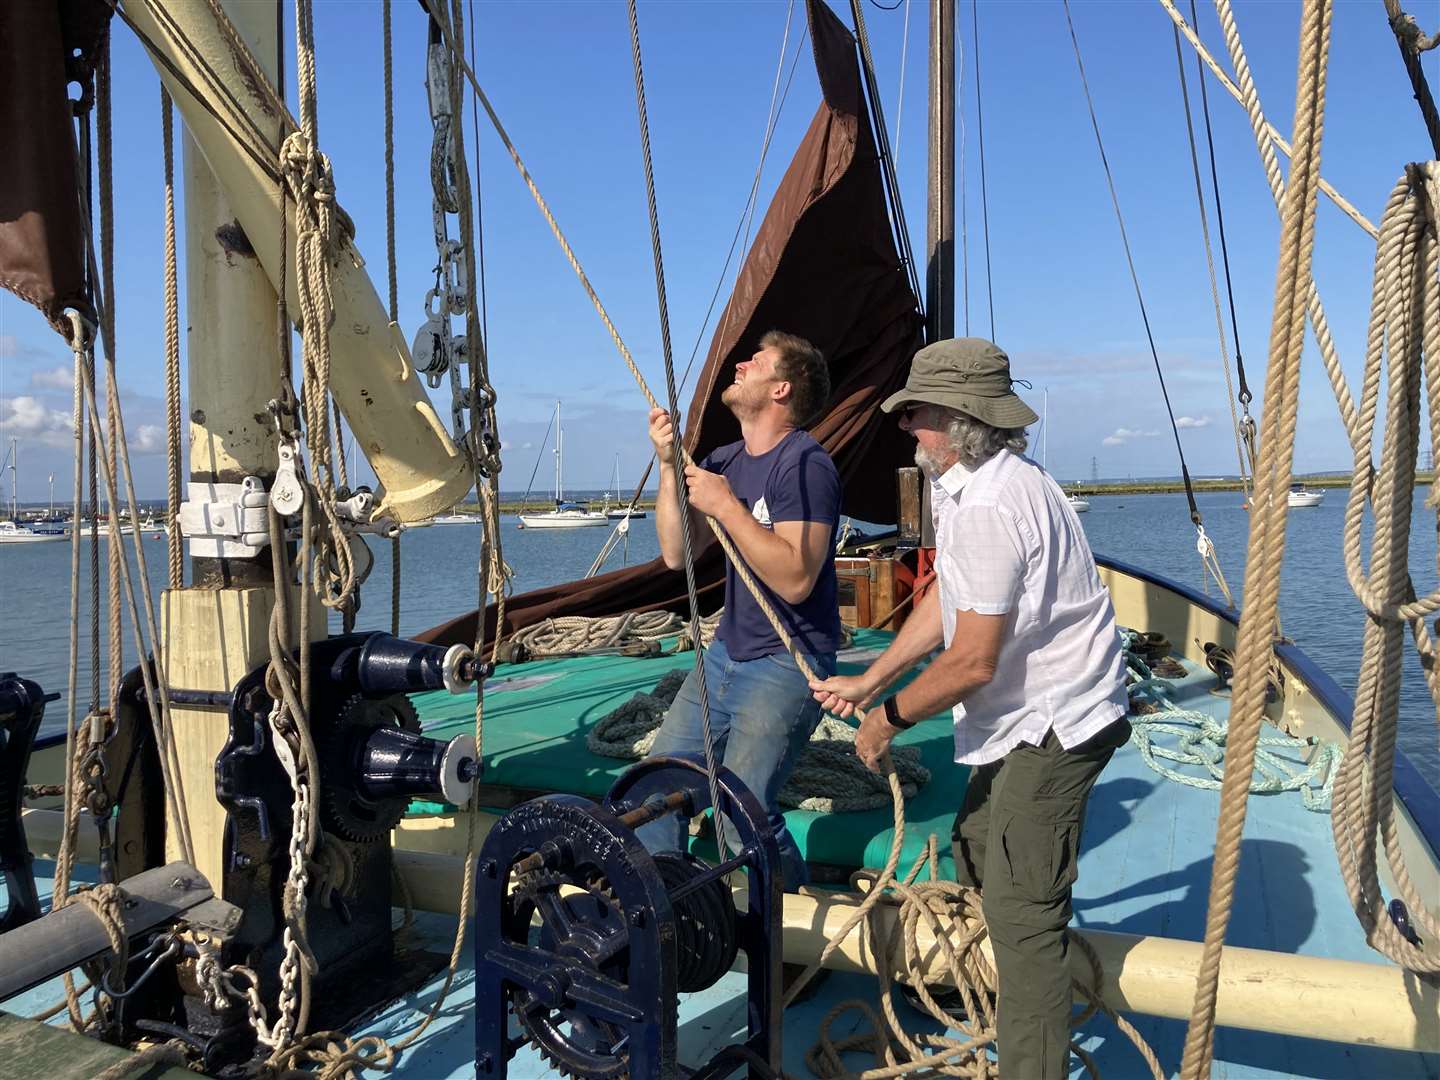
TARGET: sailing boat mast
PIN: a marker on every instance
(559, 455)
(940, 216)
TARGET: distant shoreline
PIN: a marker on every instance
(1104, 487)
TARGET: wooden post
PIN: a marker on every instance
(216, 631)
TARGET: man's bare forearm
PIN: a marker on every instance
(775, 561)
(919, 636)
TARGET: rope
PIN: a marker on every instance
(104, 148)
(984, 199)
(164, 1054)
(1405, 324)
(1412, 42)
(1230, 399)
(952, 914)
(828, 778)
(174, 539)
(1200, 741)
(577, 633)
(1267, 531)
(682, 493)
(1265, 131)
(1130, 262)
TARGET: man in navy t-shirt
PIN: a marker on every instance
(776, 494)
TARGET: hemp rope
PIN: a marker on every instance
(1265, 130)
(174, 539)
(1267, 535)
(170, 1053)
(1407, 264)
(104, 148)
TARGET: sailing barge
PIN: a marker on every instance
(216, 753)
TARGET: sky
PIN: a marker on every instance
(559, 75)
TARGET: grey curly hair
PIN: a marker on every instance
(976, 442)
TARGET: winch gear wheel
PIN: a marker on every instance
(573, 1042)
(347, 811)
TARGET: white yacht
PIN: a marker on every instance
(13, 532)
(1300, 495)
(566, 515)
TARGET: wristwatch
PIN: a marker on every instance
(892, 714)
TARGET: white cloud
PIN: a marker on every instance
(29, 417)
(1123, 435)
(60, 378)
(148, 439)
(1192, 421)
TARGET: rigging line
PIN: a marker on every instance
(749, 202)
(899, 228)
(1411, 41)
(770, 117)
(1245, 395)
(479, 197)
(964, 200)
(681, 488)
(261, 160)
(1267, 129)
(984, 192)
(1130, 261)
(904, 55)
(1209, 256)
(530, 486)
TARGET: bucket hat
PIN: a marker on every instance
(969, 375)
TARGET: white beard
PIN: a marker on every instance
(931, 468)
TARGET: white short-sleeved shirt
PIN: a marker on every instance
(1008, 543)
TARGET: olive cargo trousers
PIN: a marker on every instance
(1017, 839)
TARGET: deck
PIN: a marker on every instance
(1144, 869)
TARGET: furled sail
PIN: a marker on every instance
(43, 48)
(824, 265)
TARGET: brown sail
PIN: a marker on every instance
(44, 47)
(824, 265)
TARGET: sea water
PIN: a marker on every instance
(440, 563)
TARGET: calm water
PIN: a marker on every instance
(439, 581)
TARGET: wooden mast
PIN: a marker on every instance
(940, 215)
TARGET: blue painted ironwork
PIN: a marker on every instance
(595, 988)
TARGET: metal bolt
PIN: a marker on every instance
(637, 918)
(219, 519)
(242, 860)
(483, 1062)
(488, 868)
(198, 416)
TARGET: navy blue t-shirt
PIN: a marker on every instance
(794, 481)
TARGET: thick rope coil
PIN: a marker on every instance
(1405, 331)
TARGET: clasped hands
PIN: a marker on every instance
(849, 695)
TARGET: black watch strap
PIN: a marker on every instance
(892, 714)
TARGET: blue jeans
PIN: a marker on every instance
(761, 716)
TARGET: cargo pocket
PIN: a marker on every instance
(1040, 845)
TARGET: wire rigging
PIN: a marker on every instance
(681, 489)
(984, 191)
(747, 210)
(898, 226)
(1130, 261)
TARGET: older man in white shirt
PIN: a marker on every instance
(1031, 668)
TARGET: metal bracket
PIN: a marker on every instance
(226, 521)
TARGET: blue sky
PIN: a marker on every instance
(559, 75)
